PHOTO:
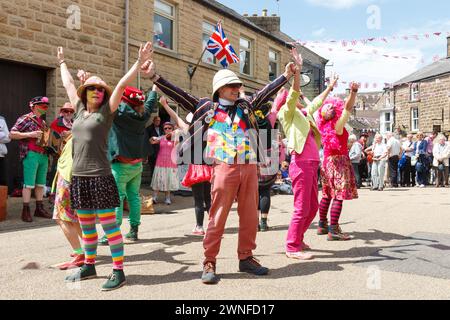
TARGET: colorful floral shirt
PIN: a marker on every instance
(227, 139)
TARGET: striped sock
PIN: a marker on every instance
(323, 208)
(336, 210)
(89, 234)
(108, 220)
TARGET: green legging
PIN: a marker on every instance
(128, 180)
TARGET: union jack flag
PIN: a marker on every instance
(219, 46)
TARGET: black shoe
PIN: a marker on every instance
(115, 280)
(209, 273)
(87, 271)
(252, 266)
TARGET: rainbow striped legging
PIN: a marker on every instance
(107, 219)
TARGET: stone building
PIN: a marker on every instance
(421, 101)
(103, 37)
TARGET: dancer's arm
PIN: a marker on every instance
(67, 79)
(150, 101)
(269, 90)
(181, 97)
(145, 54)
(349, 104)
(173, 115)
(318, 101)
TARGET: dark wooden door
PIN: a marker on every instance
(18, 84)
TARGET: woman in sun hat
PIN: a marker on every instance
(93, 190)
(165, 175)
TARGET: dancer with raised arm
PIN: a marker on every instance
(304, 143)
(227, 120)
(93, 190)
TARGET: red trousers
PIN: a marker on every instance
(228, 182)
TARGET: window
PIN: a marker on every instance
(208, 30)
(163, 25)
(414, 119)
(245, 56)
(387, 122)
(415, 92)
(387, 100)
(273, 64)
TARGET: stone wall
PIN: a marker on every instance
(434, 97)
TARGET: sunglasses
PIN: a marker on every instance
(168, 128)
(92, 88)
(234, 85)
(68, 111)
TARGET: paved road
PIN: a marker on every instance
(400, 251)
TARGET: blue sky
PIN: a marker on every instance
(324, 20)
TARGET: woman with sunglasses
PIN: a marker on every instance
(93, 191)
(165, 175)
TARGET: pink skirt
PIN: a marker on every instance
(338, 178)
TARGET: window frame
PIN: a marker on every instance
(173, 18)
(276, 61)
(414, 129)
(250, 50)
(414, 92)
(215, 63)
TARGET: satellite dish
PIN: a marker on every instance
(305, 80)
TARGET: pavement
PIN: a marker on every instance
(400, 250)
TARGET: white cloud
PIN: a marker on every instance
(338, 4)
(319, 32)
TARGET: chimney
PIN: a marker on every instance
(266, 22)
(448, 47)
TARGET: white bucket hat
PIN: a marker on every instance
(222, 78)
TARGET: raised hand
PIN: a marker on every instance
(333, 79)
(290, 70)
(163, 101)
(60, 54)
(354, 87)
(83, 76)
(297, 57)
(145, 52)
(148, 68)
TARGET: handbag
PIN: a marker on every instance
(414, 160)
(197, 173)
(147, 205)
(402, 161)
(370, 156)
(441, 166)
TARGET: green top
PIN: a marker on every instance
(90, 141)
(127, 135)
(296, 125)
